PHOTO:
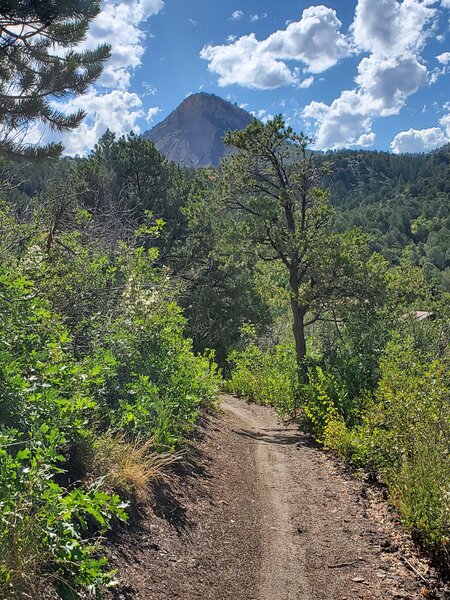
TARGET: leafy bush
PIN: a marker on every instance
(266, 376)
(400, 432)
(91, 341)
(323, 399)
(408, 432)
(44, 529)
(404, 438)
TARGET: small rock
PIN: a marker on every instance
(358, 579)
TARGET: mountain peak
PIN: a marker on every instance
(192, 134)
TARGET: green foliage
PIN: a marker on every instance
(40, 63)
(91, 340)
(265, 377)
(378, 394)
(219, 293)
(324, 399)
(272, 183)
(43, 527)
(401, 200)
(404, 437)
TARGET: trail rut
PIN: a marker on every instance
(264, 515)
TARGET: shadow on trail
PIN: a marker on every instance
(275, 436)
(168, 507)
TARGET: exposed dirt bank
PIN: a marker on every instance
(261, 514)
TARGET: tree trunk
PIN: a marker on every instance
(298, 326)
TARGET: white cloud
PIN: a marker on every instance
(306, 83)
(262, 114)
(389, 27)
(393, 33)
(444, 58)
(117, 110)
(446, 3)
(254, 18)
(418, 140)
(445, 123)
(383, 87)
(236, 15)
(150, 90)
(340, 124)
(119, 24)
(366, 140)
(152, 112)
(315, 41)
(240, 63)
(109, 104)
(385, 83)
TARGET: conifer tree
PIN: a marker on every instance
(40, 64)
(272, 187)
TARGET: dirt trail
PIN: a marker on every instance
(264, 515)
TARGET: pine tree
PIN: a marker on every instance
(271, 187)
(40, 63)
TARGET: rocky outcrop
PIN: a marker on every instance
(192, 134)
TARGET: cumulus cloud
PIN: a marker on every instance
(385, 83)
(340, 124)
(152, 112)
(236, 15)
(443, 58)
(116, 110)
(445, 123)
(389, 27)
(366, 140)
(240, 63)
(418, 140)
(119, 24)
(109, 104)
(315, 41)
(393, 33)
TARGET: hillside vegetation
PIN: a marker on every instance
(124, 279)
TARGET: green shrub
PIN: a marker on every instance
(91, 341)
(265, 376)
(407, 438)
(45, 531)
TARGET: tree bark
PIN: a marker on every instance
(298, 326)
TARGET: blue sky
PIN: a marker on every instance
(352, 73)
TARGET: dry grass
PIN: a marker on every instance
(129, 467)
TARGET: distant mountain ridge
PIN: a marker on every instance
(192, 134)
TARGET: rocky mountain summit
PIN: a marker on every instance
(192, 134)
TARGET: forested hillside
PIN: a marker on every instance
(109, 261)
(401, 200)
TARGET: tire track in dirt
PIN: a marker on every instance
(282, 570)
(317, 543)
(258, 512)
